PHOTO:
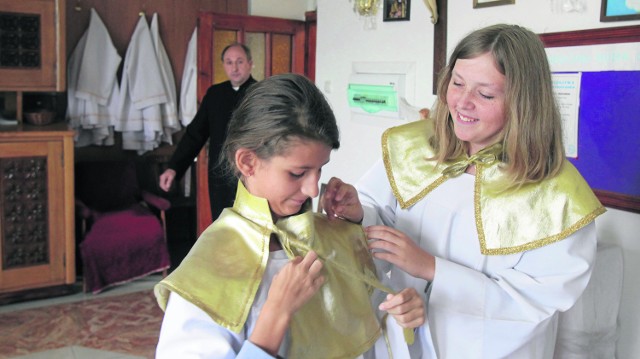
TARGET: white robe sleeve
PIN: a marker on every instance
(379, 205)
(169, 109)
(481, 306)
(100, 61)
(75, 105)
(377, 198)
(188, 87)
(188, 332)
(142, 92)
(512, 303)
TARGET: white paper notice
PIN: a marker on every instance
(567, 90)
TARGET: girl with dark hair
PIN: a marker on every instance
(270, 277)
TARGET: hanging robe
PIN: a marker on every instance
(92, 86)
(188, 87)
(142, 93)
(169, 109)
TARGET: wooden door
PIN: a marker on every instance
(277, 46)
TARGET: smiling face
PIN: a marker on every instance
(286, 181)
(476, 100)
(236, 65)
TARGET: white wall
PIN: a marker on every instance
(342, 41)
(285, 9)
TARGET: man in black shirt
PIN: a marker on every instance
(210, 123)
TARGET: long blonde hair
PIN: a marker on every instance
(532, 135)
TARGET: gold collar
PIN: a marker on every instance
(222, 272)
(507, 222)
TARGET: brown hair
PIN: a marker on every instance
(245, 48)
(532, 135)
(274, 113)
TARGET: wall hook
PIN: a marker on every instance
(144, 9)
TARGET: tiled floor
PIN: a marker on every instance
(135, 286)
(78, 352)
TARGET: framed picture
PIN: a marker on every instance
(396, 10)
(487, 3)
(619, 10)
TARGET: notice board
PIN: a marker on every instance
(609, 120)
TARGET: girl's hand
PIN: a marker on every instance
(397, 248)
(296, 283)
(407, 307)
(340, 200)
(293, 286)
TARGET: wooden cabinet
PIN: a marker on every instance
(37, 233)
(32, 45)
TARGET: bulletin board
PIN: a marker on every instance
(609, 121)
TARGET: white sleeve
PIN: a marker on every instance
(188, 332)
(379, 206)
(543, 281)
(376, 197)
(513, 311)
(145, 86)
(98, 69)
(188, 89)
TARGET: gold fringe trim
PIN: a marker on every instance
(404, 204)
(544, 241)
(530, 245)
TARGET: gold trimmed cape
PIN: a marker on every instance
(508, 221)
(222, 273)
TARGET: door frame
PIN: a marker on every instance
(208, 23)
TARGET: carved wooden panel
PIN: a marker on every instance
(32, 45)
(37, 227)
(19, 40)
(24, 194)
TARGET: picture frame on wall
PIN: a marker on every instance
(396, 10)
(487, 3)
(618, 10)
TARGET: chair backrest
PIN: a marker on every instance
(107, 185)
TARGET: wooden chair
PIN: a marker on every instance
(121, 237)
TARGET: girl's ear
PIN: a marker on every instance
(246, 161)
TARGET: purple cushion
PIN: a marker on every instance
(122, 246)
